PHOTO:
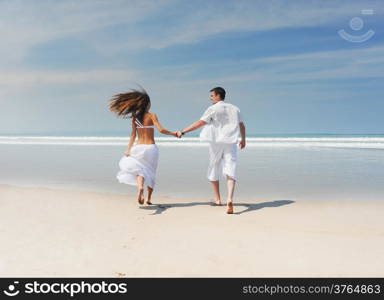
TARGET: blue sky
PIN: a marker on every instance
(282, 62)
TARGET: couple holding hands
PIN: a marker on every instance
(222, 124)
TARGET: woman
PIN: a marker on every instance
(138, 166)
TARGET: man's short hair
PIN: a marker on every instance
(220, 91)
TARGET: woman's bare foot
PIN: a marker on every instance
(216, 202)
(140, 196)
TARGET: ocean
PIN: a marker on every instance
(299, 167)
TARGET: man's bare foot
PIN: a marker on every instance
(140, 197)
(229, 208)
(148, 202)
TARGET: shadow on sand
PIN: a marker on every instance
(160, 208)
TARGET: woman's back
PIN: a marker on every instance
(145, 129)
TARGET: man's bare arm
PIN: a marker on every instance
(242, 133)
(193, 126)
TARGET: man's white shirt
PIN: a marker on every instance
(222, 126)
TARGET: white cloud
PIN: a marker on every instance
(337, 64)
(215, 18)
(24, 24)
(26, 79)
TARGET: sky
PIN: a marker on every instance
(283, 63)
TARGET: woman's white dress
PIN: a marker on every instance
(142, 161)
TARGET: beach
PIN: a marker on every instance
(48, 232)
(304, 207)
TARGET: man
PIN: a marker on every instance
(222, 123)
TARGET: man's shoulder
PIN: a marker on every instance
(232, 106)
(209, 108)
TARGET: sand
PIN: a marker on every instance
(63, 233)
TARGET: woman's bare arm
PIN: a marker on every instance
(132, 138)
(160, 128)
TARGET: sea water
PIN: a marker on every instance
(301, 167)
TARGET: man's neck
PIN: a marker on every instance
(218, 101)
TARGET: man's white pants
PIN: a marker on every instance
(222, 161)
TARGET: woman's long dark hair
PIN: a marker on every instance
(130, 104)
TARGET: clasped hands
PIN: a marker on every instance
(179, 134)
